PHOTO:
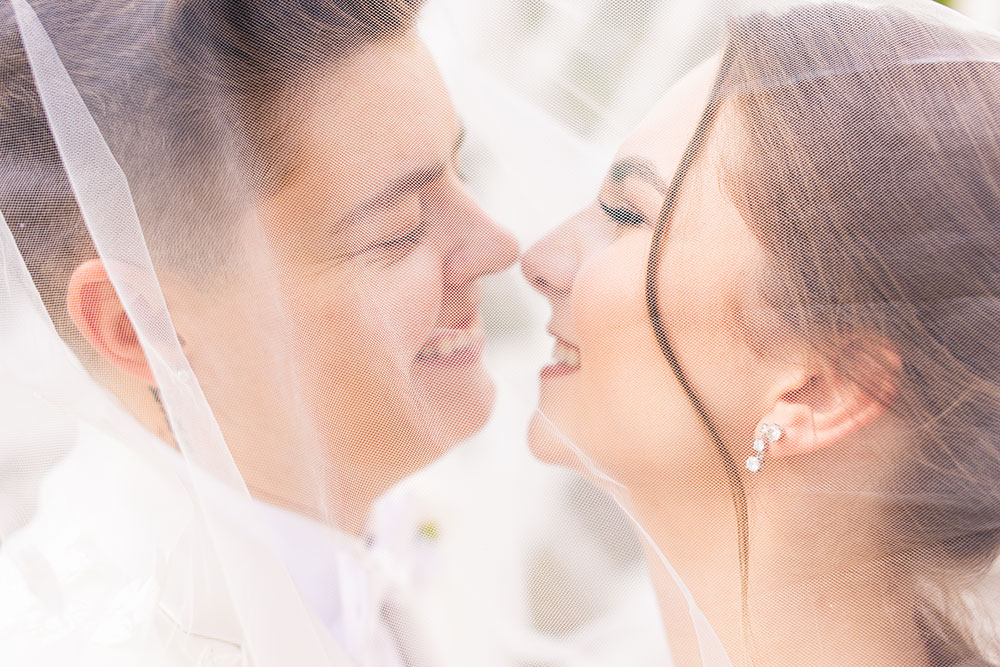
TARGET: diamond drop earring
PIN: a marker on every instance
(766, 435)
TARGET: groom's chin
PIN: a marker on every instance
(460, 409)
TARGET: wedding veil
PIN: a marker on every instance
(243, 333)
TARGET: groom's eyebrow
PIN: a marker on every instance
(638, 167)
(409, 182)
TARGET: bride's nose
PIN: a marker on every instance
(551, 264)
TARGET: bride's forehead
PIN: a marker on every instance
(664, 133)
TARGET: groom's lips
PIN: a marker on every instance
(457, 341)
(452, 348)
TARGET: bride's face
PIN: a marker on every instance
(611, 391)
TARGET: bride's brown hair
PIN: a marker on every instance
(868, 167)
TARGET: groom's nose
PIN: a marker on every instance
(483, 246)
(551, 264)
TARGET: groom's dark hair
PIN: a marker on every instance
(192, 96)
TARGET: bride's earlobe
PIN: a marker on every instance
(820, 408)
(94, 307)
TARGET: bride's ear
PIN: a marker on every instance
(817, 406)
(94, 307)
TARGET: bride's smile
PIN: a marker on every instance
(565, 358)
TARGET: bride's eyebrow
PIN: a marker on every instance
(459, 141)
(638, 167)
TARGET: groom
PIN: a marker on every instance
(317, 251)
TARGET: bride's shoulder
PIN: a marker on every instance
(83, 577)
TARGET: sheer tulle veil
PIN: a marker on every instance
(265, 378)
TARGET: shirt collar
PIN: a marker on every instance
(329, 568)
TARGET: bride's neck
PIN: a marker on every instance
(842, 611)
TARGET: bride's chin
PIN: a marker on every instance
(548, 444)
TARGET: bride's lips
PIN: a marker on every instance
(452, 347)
(566, 358)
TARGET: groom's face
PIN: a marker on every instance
(374, 252)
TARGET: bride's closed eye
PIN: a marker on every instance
(623, 216)
(632, 194)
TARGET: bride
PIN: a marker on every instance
(778, 339)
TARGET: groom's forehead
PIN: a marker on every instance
(387, 101)
(371, 121)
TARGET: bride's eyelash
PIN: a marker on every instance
(623, 216)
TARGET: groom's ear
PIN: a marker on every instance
(818, 405)
(94, 307)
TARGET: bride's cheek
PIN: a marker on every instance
(607, 299)
(619, 392)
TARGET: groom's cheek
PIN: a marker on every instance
(405, 302)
